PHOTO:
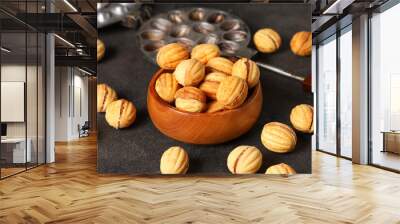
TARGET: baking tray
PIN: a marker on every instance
(191, 26)
(137, 150)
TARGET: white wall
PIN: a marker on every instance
(61, 103)
(71, 93)
(81, 104)
(16, 73)
(33, 127)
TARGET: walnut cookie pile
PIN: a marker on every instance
(202, 80)
(119, 113)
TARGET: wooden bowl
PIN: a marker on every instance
(203, 128)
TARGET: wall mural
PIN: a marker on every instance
(206, 89)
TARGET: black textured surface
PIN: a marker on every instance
(137, 150)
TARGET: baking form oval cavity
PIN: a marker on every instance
(192, 26)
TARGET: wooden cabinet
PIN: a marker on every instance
(391, 142)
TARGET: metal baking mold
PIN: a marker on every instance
(192, 26)
(110, 13)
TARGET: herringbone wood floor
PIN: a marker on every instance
(70, 191)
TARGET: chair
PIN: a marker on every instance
(84, 130)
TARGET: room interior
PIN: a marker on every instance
(25, 67)
(334, 69)
(22, 105)
(49, 127)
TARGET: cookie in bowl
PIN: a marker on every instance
(170, 55)
(190, 99)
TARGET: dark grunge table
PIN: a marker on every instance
(137, 150)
